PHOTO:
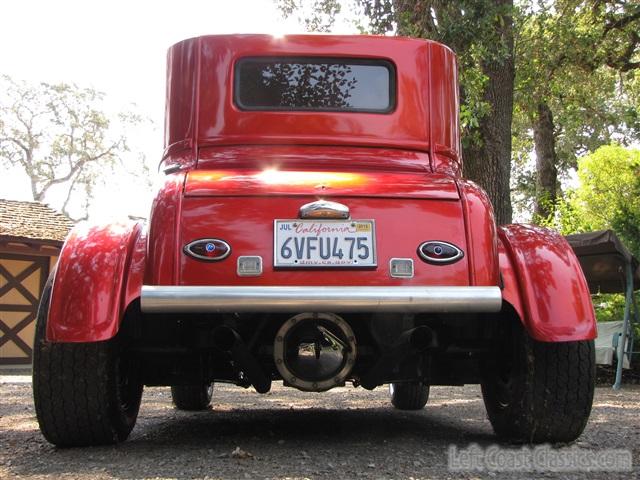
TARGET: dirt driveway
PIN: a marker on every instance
(344, 433)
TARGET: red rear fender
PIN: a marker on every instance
(480, 234)
(544, 282)
(99, 272)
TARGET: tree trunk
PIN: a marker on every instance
(489, 164)
(38, 195)
(546, 169)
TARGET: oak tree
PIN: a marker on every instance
(576, 72)
(60, 135)
(481, 33)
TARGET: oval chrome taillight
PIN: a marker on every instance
(208, 249)
(439, 253)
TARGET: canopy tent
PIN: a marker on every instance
(604, 259)
(610, 268)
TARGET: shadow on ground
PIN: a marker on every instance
(287, 434)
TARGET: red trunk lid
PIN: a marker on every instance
(205, 183)
(240, 207)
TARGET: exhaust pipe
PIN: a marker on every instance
(416, 340)
(315, 352)
(227, 339)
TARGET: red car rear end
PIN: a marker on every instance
(314, 228)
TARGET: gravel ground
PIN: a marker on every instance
(343, 433)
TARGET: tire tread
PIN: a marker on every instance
(410, 396)
(74, 389)
(190, 397)
(555, 393)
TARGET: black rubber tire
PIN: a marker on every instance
(409, 395)
(83, 392)
(541, 391)
(192, 397)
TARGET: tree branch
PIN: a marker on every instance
(620, 23)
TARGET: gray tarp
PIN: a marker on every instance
(603, 258)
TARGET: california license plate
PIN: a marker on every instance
(325, 243)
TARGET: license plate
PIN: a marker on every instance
(327, 243)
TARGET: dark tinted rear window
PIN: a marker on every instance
(330, 84)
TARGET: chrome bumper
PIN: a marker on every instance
(178, 299)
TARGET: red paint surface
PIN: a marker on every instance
(545, 284)
(163, 232)
(87, 301)
(320, 184)
(246, 223)
(310, 157)
(200, 110)
(234, 172)
(482, 245)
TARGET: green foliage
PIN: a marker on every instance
(609, 191)
(475, 30)
(315, 15)
(609, 307)
(607, 196)
(568, 216)
(580, 58)
(473, 82)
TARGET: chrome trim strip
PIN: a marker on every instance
(157, 299)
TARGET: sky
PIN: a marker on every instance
(117, 47)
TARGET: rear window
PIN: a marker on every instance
(323, 84)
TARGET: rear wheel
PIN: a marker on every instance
(84, 393)
(192, 397)
(409, 396)
(540, 391)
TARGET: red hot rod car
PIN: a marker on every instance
(313, 228)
